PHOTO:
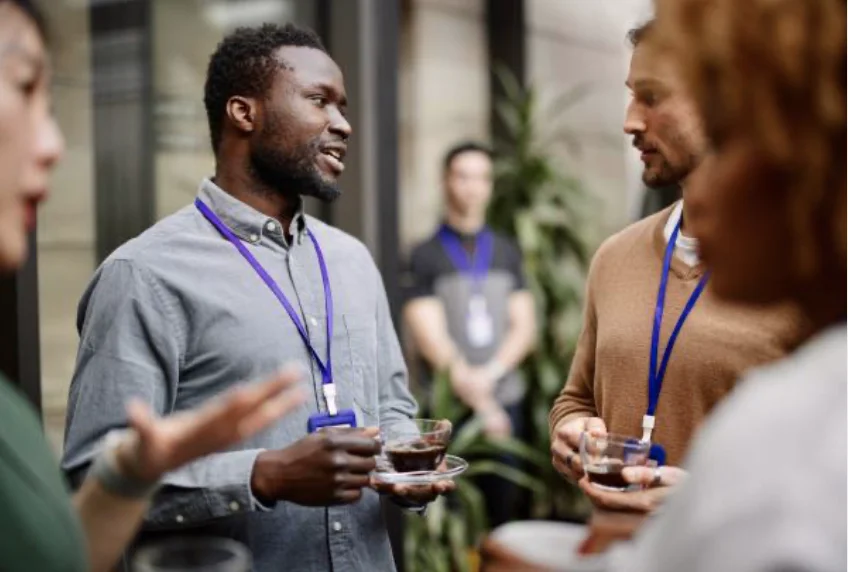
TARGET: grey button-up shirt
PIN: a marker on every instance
(176, 316)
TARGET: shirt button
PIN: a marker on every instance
(254, 238)
(313, 321)
(234, 506)
(271, 226)
(337, 526)
(180, 518)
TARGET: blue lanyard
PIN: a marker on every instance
(657, 375)
(326, 369)
(477, 266)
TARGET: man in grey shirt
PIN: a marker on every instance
(230, 288)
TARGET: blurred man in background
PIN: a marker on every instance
(468, 308)
(657, 352)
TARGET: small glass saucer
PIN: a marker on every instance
(452, 467)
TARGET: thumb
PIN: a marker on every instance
(371, 431)
(596, 426)
(645, 476)
(139, 417)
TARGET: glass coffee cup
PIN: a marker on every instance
(605, 456)
(417, 445)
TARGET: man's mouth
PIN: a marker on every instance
(334, 157)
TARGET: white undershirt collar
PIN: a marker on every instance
(686, 247)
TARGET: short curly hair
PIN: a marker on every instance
(244, 64)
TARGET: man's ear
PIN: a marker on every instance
(242, 111)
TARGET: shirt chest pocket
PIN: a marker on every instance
(358, 379)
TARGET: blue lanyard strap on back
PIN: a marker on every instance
(326, 368)
(656, 374)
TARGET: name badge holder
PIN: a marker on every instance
(334, 417)
(656, 374)
(479, 324)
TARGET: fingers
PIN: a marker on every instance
(570, 432)
(354, 443)
(270, 411)
(347, 463)
(352, 480)
(139, 416)
(566, 460)
(596, 426)
(372, 432)
(654, 477)
(444, 424)
(444, 487)
(347, 496)
(598, 497)
(644, 501)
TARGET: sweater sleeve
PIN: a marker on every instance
(577, 398)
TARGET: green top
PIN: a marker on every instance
(39, 529)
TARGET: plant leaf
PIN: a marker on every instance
(516, 476)
(510, 446)
(474, 508)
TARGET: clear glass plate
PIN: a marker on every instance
(452, 467)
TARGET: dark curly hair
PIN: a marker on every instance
(244, 64)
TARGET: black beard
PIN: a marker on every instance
(293, 173)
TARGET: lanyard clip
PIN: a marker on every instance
(330, 397)
(647, 427)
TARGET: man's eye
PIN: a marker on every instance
(319, 100)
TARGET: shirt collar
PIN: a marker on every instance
(246, 222)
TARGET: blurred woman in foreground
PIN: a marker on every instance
(41, 527)
(766, 489)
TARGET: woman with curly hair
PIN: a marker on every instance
(766, 478)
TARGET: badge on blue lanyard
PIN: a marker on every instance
(656, 375)
(334, 417)
(479, 325)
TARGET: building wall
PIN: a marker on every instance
(570, 42)
(66, 221)
(444, 98)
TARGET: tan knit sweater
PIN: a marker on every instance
(719, 341)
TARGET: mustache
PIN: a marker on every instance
(640, 144)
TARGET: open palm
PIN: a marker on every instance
(162, 444)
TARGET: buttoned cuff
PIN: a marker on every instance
(213, 487)
(257, 504)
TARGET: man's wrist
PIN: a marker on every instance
(486, 407)
(258, 484)
(495, 370)
(258, 501)
(114, 476)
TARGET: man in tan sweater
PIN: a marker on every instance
(609, 387)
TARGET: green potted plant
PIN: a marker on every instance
(446, 536)
(544, 209)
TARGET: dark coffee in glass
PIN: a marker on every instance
(420, 455)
